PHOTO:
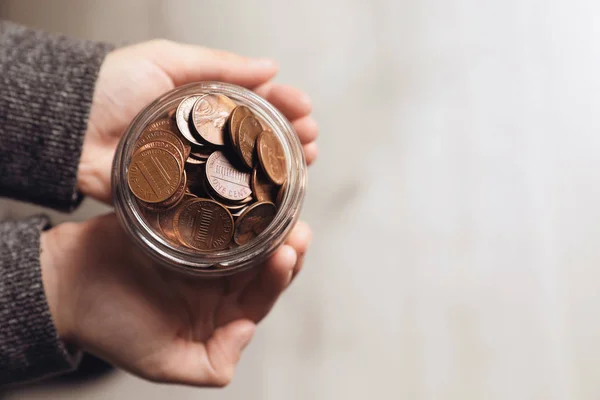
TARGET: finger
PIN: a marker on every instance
(292, 102)
(311, 151)
(307, 129)
(261, 293)
(298, 266)
(211, 364)
(185, 63)
(300, 238)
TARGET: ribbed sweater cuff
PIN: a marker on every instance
(29, 344)
(46, 89)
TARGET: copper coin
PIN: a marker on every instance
(171, 201)
(154, 174)
(164, 124)
(209, 115)
(235, 207)
(262, 187)
(236, 213)
(225, 180)
(165, 220)
(159, 144)
(202, 152)
(253, 221)
(271, 157)
(151, 217)
(165, 136)
(209, 192)
(182, 116)
(194, 161)
(237, 115)
(249, 130)
(203, 224)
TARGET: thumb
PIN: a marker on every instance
(186, 63)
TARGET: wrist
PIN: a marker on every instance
(56, 277)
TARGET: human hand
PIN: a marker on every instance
(132, 77)
(106, 298)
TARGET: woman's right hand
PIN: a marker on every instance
(108, 299)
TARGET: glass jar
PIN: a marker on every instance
(223, 262)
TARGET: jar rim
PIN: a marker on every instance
(230, 260)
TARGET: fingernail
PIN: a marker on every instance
(264, 62)
(306, 100)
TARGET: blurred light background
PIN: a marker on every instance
(455, 204)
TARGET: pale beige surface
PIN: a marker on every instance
(456, 203)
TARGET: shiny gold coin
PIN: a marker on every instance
(154, 174)
(164, 136)
(209, 115)
(203, 224)
(237, 115)
(262, 188)
(249, 130)
(253, 221)
(271, 157)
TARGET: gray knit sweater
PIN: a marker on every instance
(46, 87)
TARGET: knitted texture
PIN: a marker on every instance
(29, 345)
(46, 89)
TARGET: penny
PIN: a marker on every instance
(271, 157)
(208, 175)
(209, 115)
(253, 221)
(162, 124)
(171, 201)
(262, 188)
(204, 225)
(159, 144)
(165, 136)
(237, 115)
(249, 130)
(154, 174)
(225, 180)
(165, 220)
(209, 192)
(151, 218)
(193, 160)
(236, 207)
(202, 152)
(182, 116)
(236, 214)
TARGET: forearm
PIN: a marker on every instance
(30, 347)
(46, 88)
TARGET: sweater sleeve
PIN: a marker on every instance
(46, 89)
(29, 344)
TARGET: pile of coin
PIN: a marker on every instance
(209, 175)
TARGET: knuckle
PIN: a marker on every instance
(161, 43)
